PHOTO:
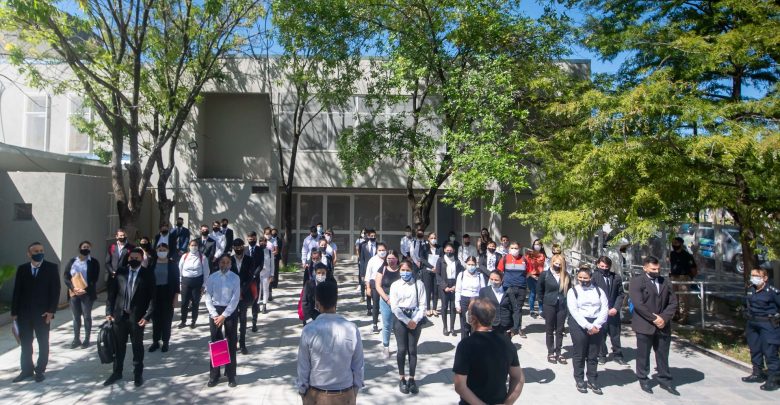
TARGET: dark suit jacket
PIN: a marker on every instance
(503, 308)
(364, 255)
(93, 274)
(123, 254)
(647, 301)
(246, 274)
(174, 277)
(425, 252)
(228, 239)
(548, 289)
(258, 259)
(35, 295)
(141, 298)
(615, 294)
(441, 271)
(483, 262)
(208, 249)
(182, 238)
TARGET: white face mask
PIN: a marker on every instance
(514, 252)
(756, 280)
(162, 254)
(193, 249)
(382, 254)
(327, 238)
(319, 278)
(496, 284)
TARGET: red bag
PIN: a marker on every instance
(300, 306)
(254, 290)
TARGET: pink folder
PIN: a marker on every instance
(219, 353)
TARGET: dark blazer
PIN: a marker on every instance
(425, 252)
(258, 259)
(483, 262)
(441, 271)
(309, 272)
(182, 238)
(123, 254)
(615, 294)
(174, 277)
(246, 274)
(228, 239)
(548, 289)
(93, 274)
(141, 298)
(503, 308)
(309, 309)
(208, 249)
(647, 301)
(35, 295)
(364, 255)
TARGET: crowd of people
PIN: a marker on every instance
(481, 285)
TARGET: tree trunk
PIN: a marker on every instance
(422, 210)
(164, 204)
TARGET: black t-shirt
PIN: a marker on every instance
(485, 358)
(681, 263)
(388, 278)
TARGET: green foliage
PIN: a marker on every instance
(7, 272)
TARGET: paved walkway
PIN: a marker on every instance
(267, 374)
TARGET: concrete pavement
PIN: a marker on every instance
(267, 374)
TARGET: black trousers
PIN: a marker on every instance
(516, 299)
(190, 297)
(406, 339)
(33, 327)
(81, 306)
(230, 327)
(465, 328)
(125, 328)
(242, 310)
(255, 312)
(431, 290)
(374, 302)
(660, 345)
(163, 313)
(554, 320)
(612, 331)
(762, 339)
(362, 282)
(275, 283)
(448, 305)
(586, 351)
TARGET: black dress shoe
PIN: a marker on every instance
(112, 379)
(375, 330)
(595, 388)
(770, 386)
(265, 310)
(562, 360)
(22, 377)
(412, 387)
(453, 332)
(75, 343)
(645, 385)
(445, 332)
(138, 381)
(182, 325)
(244, 350)
(254, 328)
(619, 360)
(232, 384)
(602, 360)
(670, 389)
(368, 313)
(85, 344)
(211, 383)
(192, 325)
(153, 348)
(403, 387)
(164, 347)
(39, 377)
(581, 387)
(754, 378)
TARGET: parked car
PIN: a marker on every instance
(705, 242)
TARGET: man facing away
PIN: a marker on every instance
(330, 354)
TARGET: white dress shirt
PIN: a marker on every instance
(452, 268)
(309, 244)
(402, 296)
(468, 286)
(465, 251)
(588, 303)
(372, 267)
(330, 355)
(193, 265)
(164, 239)
(223, 289)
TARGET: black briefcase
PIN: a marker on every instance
(106, 342)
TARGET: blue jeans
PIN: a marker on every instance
(387, 321)
(532, 294)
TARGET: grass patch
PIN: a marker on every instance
(728, 341)
(290, 268)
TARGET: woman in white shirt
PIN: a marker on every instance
(447, 269)
(588, 311)
(467, 287)
(407, 301)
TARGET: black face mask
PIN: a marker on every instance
(492, 250)
(556, 267)
(239, 252)
(273, 234)
(180, 224)
(204, 233)
(654, 274)
(134, 263)
(676, 247)
(145, 246)
(371, 239)
(450, 254)
(252, 243)
(164, 231)
(215, 229)
(123, 240)
(84, 252)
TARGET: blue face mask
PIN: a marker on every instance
(472, 269)
(406, 276)
(38, 257)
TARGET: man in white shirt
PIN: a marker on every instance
(372, 268)
(310, 243)
(330, 354)
(223, 291)
(466, 249)
(219, 238)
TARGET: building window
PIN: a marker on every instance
(78, 142)
(36, 122)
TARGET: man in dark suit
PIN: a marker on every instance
(229, 236)
(366, 251)
(256, 251)
(488, 260)
(612, 284)
(180, 238)
(130, 306)
(35, 298)
(654, 306)
(117, 253)
(207, 246)
(242, 264)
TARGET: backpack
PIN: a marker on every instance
(598, 290)
(200, 255)
(106, 342)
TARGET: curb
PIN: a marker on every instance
(714, 355)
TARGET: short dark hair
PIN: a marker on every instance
(136, 251)
(584, 268)
(34, 244)
(224, 220)
(370, 230)
(679, 239)
(408, 228)
(238, 242)
(83, 242)
(471, 259)
(499, 273)
(650, 260)
(312, 228)
(483, 310)
(465, 235)
(319, 266)
(327, 294)
(178, 218)
(251, 233)
(606, 260)
(382, 244)
(162, 245)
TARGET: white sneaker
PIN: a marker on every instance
(386, 352)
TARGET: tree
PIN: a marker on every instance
(321, 46)
(468, 75)
(673, 131)
(141, 65)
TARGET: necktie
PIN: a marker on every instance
(129, 289)
(606, 280)
(35, 271)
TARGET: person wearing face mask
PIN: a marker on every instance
(482, 243)
(193, 268)
(385, 277)
(488, 261)
(447, 270)
(207, 246)
(682, 268)
(276, 244)
(515, 267)
(34, 302)
(416, 252)
(166, 276)
(503, 246)
(325, 257)
(146, 245)
(587, 305)
(612, 284)
(552, 289)
(310, 243)
(258, 253)
(116, 256)
(180, 239)
(406, 243)
(87, 268)
(332, 249)
(242, 264)
(655, 303)
(310, 311)
(223, 292)
(407, 302)
(484, 360)
(466, 250)
(535, 258)
(494, 292)
(130, 306)
(266, 275)
(164, 236)
(763, 330)
(359, 241)
(467, 287)
(220, 247)
(430, 253)
(320, 230)
(372, 267)
(367, 250)
(452, 237)
(316, 258)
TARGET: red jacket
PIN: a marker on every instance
(535, 262)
